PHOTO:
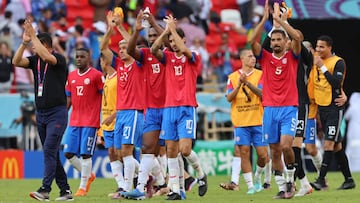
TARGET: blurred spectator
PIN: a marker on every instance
(204, 12)
(6, 67)
(77, 40)
(58, 9)
(60, 35)
(101, 7)
(36, 8)
(19, 5)
(198, 46)
(78, 21)
(46, 17)
(59, 43)
(245, 7)
(5, 36)
(94, 38)
(221, 60)
(61, 24)
(258, 13)
(352, 115)
(180, 9)
(11, 29)
(191, 31)
(24, 79)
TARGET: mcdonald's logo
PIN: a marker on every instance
(10, 168)
(11, 164)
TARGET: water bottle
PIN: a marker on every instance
(145, 23)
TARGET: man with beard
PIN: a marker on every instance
(280, 96)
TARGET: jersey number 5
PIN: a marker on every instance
(278, 70)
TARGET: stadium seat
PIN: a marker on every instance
(231, 16)
(218, 5)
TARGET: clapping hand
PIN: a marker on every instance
(29, 32)
(139, 18)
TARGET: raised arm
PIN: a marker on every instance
(43, 52)
(118, 21)
(154, 24)
(104, 45)
(295, 35)
(255, 45)
(132, 50)
(155, 48)
(180, 44)
(18, 60)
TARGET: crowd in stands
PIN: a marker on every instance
(217, 29)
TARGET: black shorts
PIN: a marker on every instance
(303, 112)
(331, 122)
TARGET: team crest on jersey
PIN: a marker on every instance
(86, 81)
(284, 61)
(172, 60)
(150, 59)
(183, 59)
(73, 81)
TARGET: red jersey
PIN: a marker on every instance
(85, 91)
(279, 79)
(155, 79)
(181, 74)
(130, 86)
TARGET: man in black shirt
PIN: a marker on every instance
(49, 70)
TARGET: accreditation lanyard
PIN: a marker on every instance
(41, 82)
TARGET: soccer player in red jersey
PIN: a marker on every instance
(280, 96)
(179, 116)
(84, 92)
(155, 93)
(129, 101)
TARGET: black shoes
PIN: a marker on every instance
(319, 184)
(202, 182)
(189, 183)
(348, 184)
(173, 196)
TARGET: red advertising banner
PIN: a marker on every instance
(11, 164)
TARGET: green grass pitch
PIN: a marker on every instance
(17, 191)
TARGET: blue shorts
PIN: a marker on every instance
(250, 136)
(108, 138)
(153, 121)
(80, 140)
(128, 128)
(310, 136)
(178, 123)
(279, 121)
